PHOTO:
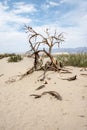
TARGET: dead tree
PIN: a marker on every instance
(36, 41)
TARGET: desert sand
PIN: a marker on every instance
(20, 111)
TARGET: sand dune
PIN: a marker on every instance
(20, 111)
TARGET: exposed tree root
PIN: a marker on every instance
(27, 73)
(47, 67)
(53, 93)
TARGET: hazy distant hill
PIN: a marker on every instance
(71, 50)
(68, 50)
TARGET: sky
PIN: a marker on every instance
(67, 16)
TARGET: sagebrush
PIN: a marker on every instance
(15, 58)
(79, 60)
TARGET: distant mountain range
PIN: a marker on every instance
(68, 50)
(71, 50)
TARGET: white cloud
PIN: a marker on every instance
(10, 38)
(49, 4)
(9, 20)
(6, 2)
(70, 1)
(74, 36)
(3, 7)
(21, 7)
(13, 42)
(53, 4)
(72, 22)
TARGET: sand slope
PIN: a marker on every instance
(20, 111)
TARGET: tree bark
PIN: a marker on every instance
(36, 60)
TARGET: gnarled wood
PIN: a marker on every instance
(53, 93)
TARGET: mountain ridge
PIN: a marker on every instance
(71, 50)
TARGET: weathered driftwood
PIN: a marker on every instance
(84, 74)
(53, 93)
(70, 78)
(40, 87)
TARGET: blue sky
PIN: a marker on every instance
(68, 16)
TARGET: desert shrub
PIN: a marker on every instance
(63, 58)
(15, 58)
(1, 56)
(6, 55)
(79, 60)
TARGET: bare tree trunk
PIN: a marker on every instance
(36, 60)
(50, 50)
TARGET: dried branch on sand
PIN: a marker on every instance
(42, 86)
(53, 93)
(84, 74)
(70, 78)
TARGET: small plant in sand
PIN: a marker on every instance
(15, 58)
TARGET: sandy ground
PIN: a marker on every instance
(20, 111)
